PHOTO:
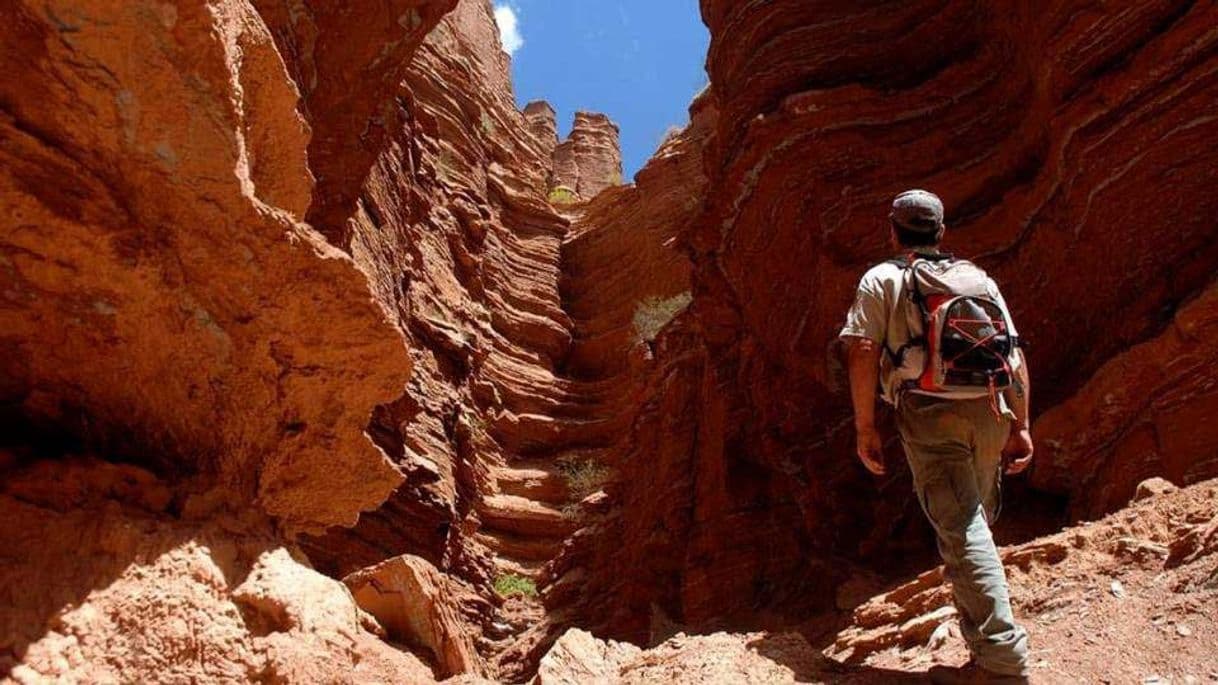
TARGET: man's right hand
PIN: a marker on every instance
(871, 449)
(1017, 453)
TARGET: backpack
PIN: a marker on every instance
(962, 336)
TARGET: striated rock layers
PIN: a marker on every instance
(165, 304)
(223, 222)
(590, 159)
(161, 295)
(1075, 151)
(587, 162)
(454, 228)
(270, 267)
(625, 280)
(1146, 412)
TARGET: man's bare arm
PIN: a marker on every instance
(864, 362)
(1019, 394)
(1019, 448)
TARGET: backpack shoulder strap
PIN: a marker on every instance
(909, 285)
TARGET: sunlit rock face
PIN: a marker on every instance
(590, 159)
(287, 295)
(185, 287)
(163, 297)
(454, 228)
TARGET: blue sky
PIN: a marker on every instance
(639, 61)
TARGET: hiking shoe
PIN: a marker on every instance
(972, 674)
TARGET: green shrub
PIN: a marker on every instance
(584, 476)
(654, 313)
(562, 195)
(510, 585)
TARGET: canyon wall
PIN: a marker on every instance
(303, 354)
(269, 266)
(189, 367)
(161, 290)
(1074, 150)
(625, 281)
(454, 229)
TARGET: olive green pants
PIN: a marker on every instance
(954, 449)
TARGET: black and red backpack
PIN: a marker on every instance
(961, 344)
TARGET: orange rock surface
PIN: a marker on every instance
(590, 159)
(293, 292)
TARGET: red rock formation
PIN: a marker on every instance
(347, 63)
(1145, 413)
(419, 606)
(162, 296)
(165, 304)
(454, 227)
(223, 219)
(102, 582)
(1072, 148)
(590, 159)
(624, 280)
(543, 123)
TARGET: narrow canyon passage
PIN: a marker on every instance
(322, 360)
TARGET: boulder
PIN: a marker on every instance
(418, 606)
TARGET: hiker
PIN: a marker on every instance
(933, 335)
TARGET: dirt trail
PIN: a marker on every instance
(1128, 599)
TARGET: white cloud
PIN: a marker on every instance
(509, 28)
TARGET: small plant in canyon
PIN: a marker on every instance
(475, 422)
(562, 195)
(572, 511)
(584, 476)
(654, 313)
(511, 585)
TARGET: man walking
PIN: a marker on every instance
(933, 336)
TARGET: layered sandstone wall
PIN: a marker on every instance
(196, 281)
(166, 305)
(625, 279)
(453, 225)
(347, 63)
(163, 296)
(1147, 412)
(1073, 150)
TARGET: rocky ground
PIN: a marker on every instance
(1127, 599)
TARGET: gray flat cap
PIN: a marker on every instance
(918, 210)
